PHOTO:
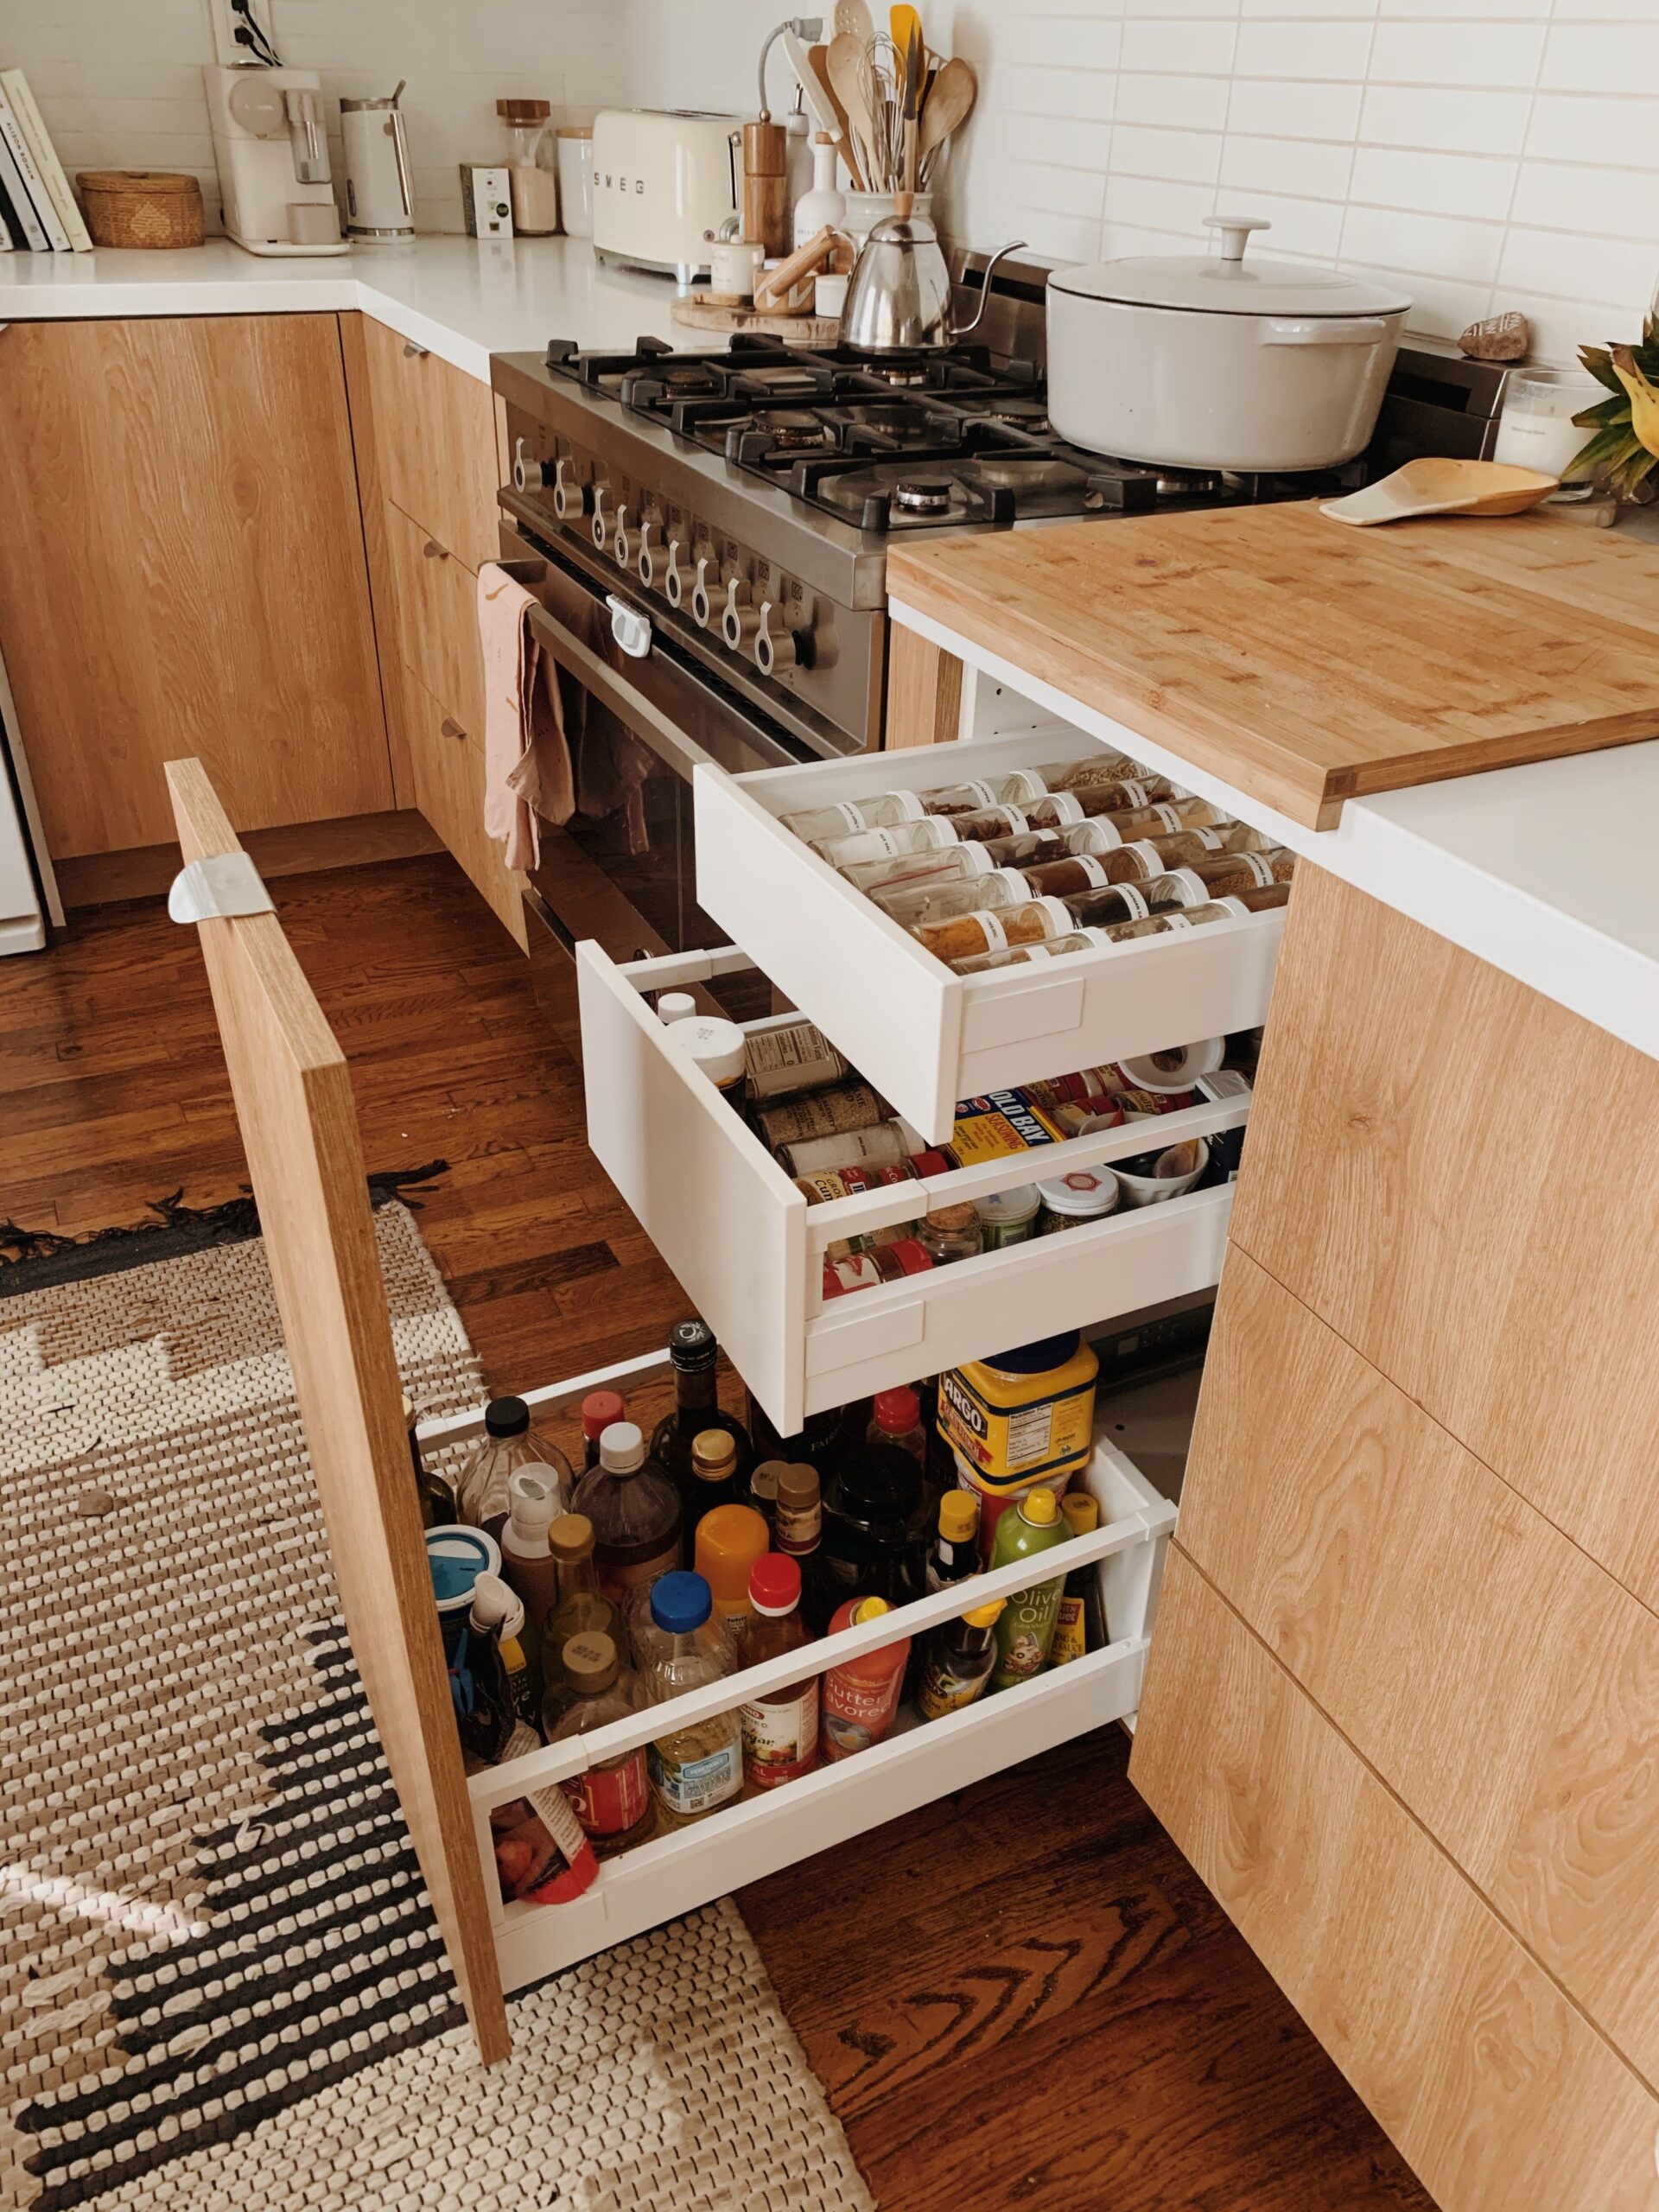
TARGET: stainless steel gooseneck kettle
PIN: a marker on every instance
(899, 300)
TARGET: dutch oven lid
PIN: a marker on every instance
(1225, 282)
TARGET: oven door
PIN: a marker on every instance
(639, 713)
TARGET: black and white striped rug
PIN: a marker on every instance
(221, 1981)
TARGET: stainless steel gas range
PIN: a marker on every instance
(706, 535)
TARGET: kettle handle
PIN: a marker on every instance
(959, 331)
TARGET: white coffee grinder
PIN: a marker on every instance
(272, 152)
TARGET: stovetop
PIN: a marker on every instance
(943, 441)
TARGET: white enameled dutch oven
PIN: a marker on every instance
(1220, 362)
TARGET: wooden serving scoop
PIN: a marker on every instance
(1432, 487)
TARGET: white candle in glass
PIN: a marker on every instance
(1536, 430)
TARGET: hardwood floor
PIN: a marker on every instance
(1022, 1996)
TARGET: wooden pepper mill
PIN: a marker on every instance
(766, 186)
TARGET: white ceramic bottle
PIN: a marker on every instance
(823, 203)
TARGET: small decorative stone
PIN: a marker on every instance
(1499, 338)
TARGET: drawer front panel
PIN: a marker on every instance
(437, 621)
(449, 791)
(924, 1036)
(435, 441)
(1492, 2084)
(1440, 1166)
(1498, 1680)
(749, 1250)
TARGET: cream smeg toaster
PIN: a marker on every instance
(661, 179)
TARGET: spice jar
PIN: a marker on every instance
(1058, 879)
(950, 1233)
(959, 798)
(1228, 910)
(858, 848)
(1100, 767)
(1072, 1201)
(943, 902)
(794, 1057)
(869, 1270)
(1025, 849)
(1188, 813)
(1007, 1216)
(912, 871)
(825, 1183)
(969, 934)
(992, 822)
(717, 1048)
(878, 813)
(1222, 875)
(1015, 956)
(1148, 925)
(885, 1143)
(822, 1114)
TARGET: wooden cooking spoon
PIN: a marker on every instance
(847, 81)
(950, 102)
(854, 19)
(819, 58)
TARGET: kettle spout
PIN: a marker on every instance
(959, 331)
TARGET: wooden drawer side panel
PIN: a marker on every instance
(1504, 1686)
(1496, 2089)
(1439, 1168)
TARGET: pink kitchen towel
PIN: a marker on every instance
(527, 777)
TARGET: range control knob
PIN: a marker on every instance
(776, 646)
(653, 562)
(703, 612)
(601, 516)
(622, 545)
(740, 622)
(568, 497)
(674, 572)
(528, 474)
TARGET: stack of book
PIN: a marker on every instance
(37, 209)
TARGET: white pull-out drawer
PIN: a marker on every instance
(748, 1250)
(923, 1036)
(921, 1760)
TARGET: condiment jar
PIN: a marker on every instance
(913, 871)
(715, 1047)
(729, 1540)
(825, 1113)
(1222, 875)
(510, 1443)
(874, 1534)
(1007, 1216)
(712, 1483)
(880, 812)
(780, 1727)
(612, 1799)
(970, 935)
(1001, 887)
(950, 1233)
(860, 1698)
(1098, 798)
(1073, 1201)
(864, 848)
(794, 1057)
(885, 1143)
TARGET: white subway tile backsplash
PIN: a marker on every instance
(1328, 51)
(1474, 184)
(1485, 153)
(1446, 121)
(1446, 51)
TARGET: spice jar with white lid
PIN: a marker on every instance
(1014, 956)
(1099, 767)
(1165, 813)
(1029, 848)
(941, 902)
(1231, 910)
(1073, 1201)
(991, 822)
(1007, 1216)
(715, 1047)
(878, 812)
(960, 798)
(909, 871)
(992, 931)
(1223, 875)
(926, 834)
(675, 1006)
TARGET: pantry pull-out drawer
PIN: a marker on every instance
(1492, 2084)
(749, 1250)
(921, 1760)
(923, 1035)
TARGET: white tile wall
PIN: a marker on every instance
(1488, 153)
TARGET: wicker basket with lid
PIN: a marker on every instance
(141, 208)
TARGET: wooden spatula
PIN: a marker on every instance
(1436, 487)
(818, 57)
(847, 79)
(950, 102)
(853, 18)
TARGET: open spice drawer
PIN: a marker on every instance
(921, 1760)
(923, 1035)
(748, 1250)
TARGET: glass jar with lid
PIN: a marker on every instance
(1072, 1201)
(878, 812)
(950, 1233)
(533, 187)
(995, 931)
(913, 871)
(858, 848)
(972, 895)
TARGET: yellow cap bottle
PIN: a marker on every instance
(1082, 1512)
(1040, 1508)
(729, 1540)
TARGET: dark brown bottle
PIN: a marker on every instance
(693, 1352)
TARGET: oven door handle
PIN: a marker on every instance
(609, 689)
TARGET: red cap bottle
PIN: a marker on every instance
(599, 1409)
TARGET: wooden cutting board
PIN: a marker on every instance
(1308, 662)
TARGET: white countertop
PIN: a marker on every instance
(462, 298)
(1543, 871)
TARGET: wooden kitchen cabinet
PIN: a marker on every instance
(434, 429)
(181, 571)
(447, 762)
(436, 596)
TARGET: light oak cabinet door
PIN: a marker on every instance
(181, 572)
(448, 771)
(1493, 2085)
(1451, 1171)
(1502, 1685)
(434, 437)
(436, 598)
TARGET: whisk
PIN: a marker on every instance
(893, 83)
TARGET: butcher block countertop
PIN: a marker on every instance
(1306, 662)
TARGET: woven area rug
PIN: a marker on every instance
(220, 1983)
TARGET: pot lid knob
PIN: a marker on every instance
(1235, 232)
